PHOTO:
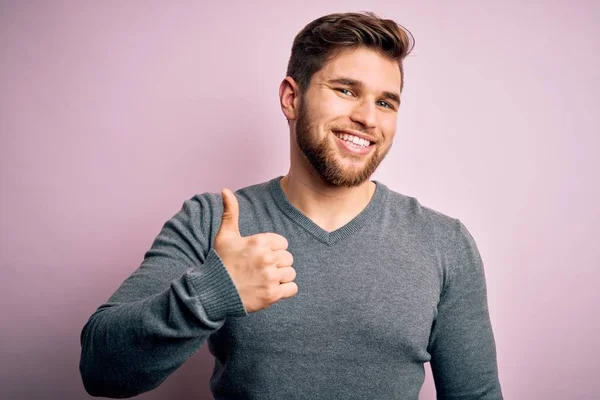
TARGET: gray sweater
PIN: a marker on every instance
(398, 286)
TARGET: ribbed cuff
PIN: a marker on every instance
(216, 290)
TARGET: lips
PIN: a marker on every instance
(355, 133)
(353, 140)
(358, 150)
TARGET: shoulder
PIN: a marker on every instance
(213, 201)
(207, 208)
(444, 235)
(414, 213)
(447, 233)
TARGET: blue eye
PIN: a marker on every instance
(345, 91)
(387, 105)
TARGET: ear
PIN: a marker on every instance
(289, 97)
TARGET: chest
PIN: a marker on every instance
(359, 299)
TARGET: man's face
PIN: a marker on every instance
(354, 95)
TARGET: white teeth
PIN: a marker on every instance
(353, 139)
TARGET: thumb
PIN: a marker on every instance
(231, 213)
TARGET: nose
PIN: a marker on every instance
(365, 113)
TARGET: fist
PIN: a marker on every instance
(259, 265)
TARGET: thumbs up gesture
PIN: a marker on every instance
(259, 265)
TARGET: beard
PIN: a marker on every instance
(325, 158)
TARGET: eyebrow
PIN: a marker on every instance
(358, 84)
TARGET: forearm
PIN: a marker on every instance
(131, 347)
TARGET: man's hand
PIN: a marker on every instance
(259, 265)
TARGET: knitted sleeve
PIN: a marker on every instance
(462, 346)
(163, 312)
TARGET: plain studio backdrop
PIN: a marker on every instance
(114, 113)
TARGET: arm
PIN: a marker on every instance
(162, 313)
(462, 346)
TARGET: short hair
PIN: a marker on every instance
(324, 38)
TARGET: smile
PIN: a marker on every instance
(352, 143)
(353, 140)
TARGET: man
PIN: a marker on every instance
(320, 284)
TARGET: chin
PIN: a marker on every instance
(334, 167)
(346, 177)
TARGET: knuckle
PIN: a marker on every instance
(262, 239)
(270, 295)
(254, 240)
(267, 258)
(270, 275)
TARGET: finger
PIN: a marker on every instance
(283, 258)
(287, 274)
(276, 242)
(231, 213)
(288, 289)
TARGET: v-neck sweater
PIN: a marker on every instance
(397, 286)
(328, 238)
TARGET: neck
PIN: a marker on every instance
(330, 207)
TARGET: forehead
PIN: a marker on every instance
(362, 64)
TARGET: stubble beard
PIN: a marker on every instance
(325, 158)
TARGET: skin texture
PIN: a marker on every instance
(357, 91)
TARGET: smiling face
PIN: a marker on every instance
(355, 95)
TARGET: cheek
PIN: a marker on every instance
(388, 128)
(326, 116)
(339, 106)
(333, 107)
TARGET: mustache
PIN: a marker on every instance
(356, 128)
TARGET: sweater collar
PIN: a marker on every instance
(373, 208)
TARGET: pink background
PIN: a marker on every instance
(113, 113)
